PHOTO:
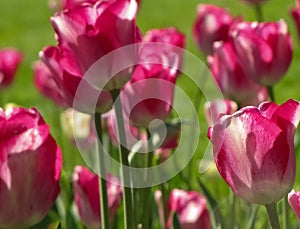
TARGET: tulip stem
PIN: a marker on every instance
(104, 211)
(253, 214)
(259, 13)
(147, 190)
(123, 152)
(273, 216)
(285, 213)
(271, 93)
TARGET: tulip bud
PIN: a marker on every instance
(231, 76)
(149, 94)
(9, 62)
(86, 194)
(30, 167)
(85, 34)
(294, 201)
(45, 82)
(254, 150)
(264, 50)
(212, 24)
(190, 208)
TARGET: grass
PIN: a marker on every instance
(26, 26)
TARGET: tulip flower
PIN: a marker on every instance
(44, 81)
(190, 208)
(231, 77)
(214, 108)
(264, 50)
(149, 94)
(30, 167)
(254, 150)
(10, 59)
(295, 12)
(294, 201)
(86, 194)
(85, 34)
(212, 24)
(57, 5)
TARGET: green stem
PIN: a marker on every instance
(258, 12)
(253, 214)
(123, 152)
(147, 190)
(233, 210)
(285, 213)
(104, 211)
(271, 93)
(273, 216)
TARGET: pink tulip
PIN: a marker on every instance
(86, 194)
(294, 201)
(45, 82)
(295, 12)
(85, 34)
(30, 167)
(57, 5)
(149, 94)
(67, 86)
(254, 150)
(231, 77)
(214, 108)
(190, 208)
(9, 62)
(264, 50)
(212, 24)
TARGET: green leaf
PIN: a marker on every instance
(175, 222)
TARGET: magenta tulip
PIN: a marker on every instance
(294, 201)
(231, 77)
(212, 24)
(254, 150)
(264, 50)
(30, 167)
(190, 208)
(67, 86)
(9, 62)
(86, 194)
(149, 94)
(44, 81)
(85, 34)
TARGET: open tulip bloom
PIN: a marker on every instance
(254, 150)
(30, 167)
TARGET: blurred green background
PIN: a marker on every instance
(26, 26)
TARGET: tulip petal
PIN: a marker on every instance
(294, 201)
(248, 150)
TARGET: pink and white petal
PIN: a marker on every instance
(267, 109)
(240, 148)
(287, 116)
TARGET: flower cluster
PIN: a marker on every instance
(129, 116)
